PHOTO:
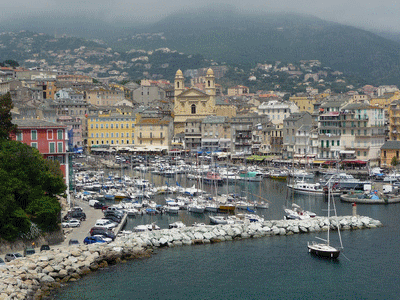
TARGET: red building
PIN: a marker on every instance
(48, 137)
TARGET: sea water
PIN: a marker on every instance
(277, 267)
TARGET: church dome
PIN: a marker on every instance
(210, 72)
(178, 73)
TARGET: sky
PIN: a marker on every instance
(368, 14)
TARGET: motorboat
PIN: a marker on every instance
(221, 220)
(196, 208)
(304, 187)
(213, 178)
(172, 207)
(343, 181)
(177, 224)
(297, 213)
(301, 174)
(250, 176)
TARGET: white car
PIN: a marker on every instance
(71, 223)
(105, 224)
(106, 239)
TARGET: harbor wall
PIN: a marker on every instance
(34, 276)
(219, 233)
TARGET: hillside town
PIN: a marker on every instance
(194, 114)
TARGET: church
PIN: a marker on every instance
(195, 104)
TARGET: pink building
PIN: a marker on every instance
(48, 137)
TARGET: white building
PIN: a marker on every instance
(277, 111)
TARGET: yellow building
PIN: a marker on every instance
(154, 132)
(101, 96)
(193, 103)
(385, 100)
(394, 121)
(111, 128)
(305, 103)
(389, 150)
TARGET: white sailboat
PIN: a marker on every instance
(324, 249)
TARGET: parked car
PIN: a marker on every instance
(12, 256)
(103, 232)
(113, 219)
(71, 223)
(107, 224)
(99, 205)
(2, 262)
(29, 251)
(93, 239)
(106, 239)
(75, 215)
(44, 248)
(114, 213)
(73, 242)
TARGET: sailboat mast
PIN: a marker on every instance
(329, 210)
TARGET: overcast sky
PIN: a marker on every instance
(370, 14)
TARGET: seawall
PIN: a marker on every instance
(34, 276)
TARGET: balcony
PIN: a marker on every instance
(151, 138)
(357, 148)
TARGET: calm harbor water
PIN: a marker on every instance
(267, 268)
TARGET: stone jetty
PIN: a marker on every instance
(34, 276)
(219, 233)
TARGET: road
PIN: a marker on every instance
(78, 233)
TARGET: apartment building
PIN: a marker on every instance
(291, 125)
(154, 132)
(48, 137)
(103, 96)
(277, 110)
(362, 130)
(111, 128)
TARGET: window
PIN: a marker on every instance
(91, 126)
(107, 135)
(116, 125)
(160, 134)
(333, 143)
(133, 125)
(60, 134)
(112, 126)
(117, 134)
(127, 141)
(92, 135)
(97, 135)
(107, 125)
(193, 109)
(365, 153)
(122, 134)
(52, 147)
(101, 125)
(49, 134)
(60, 147)
(34, 135)
(97, 126)
(384, 154)
(358, 153)
(102, 135)
(338, 143)
(122, 125)
(34, 145)
(112, 134)
(19, 136)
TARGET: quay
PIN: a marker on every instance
(33, 277)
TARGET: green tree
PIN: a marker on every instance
(394, 161)
(29, 188)
(6, 126)
(11, 63)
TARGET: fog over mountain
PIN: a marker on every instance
(91, 14)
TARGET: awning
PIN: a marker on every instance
(347, 152)
(318, 161)
(354, 162)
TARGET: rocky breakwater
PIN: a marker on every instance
(34, 276)
(219, 233)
